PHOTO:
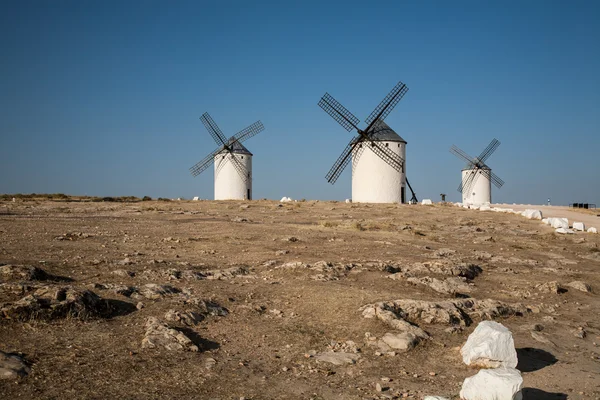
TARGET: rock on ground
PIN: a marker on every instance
(12, 366)
(580, 285)
(493, 384)
(592, 230)
(158, 334)
(491, 345)
(532, 214)
(564, 230)
(579, 226)
(55, 302)
(22, 272)
(402, 341)
(446, 286)
(559, 223)
(337, 358)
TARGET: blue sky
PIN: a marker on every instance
(104, 98)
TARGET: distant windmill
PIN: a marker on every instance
(475, 186)
(378, 153)
(233, 161)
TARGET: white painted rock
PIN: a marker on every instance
(426, 202)
(285, 199)
(485, 207)
(493, 384)
(592, 230)
(434, 398)
(196, 198)
(579, 226)
(532, 214)
(564, 231)
(559, 222)
(348, 201)
(546, 221)
(490, 345)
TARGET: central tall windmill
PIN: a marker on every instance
(233, 161)
(477, 177)
(378, 153)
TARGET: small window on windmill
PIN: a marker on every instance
(387, 145)
(398, 144)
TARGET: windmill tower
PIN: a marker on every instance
(378, 153)
(233, 161)
(477, 177)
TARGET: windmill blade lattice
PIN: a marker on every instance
(212, 128)
(345, 118)
(485, 154)
(248, 132)
(388, 103)
(206, 162)
(343, 160)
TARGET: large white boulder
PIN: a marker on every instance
(493, 384)
(579, 226)
(348, 201)
(426, 202)
(285, 199)
(491, 345)
(532, 214)
(196, 198)
(559, 223)
(592, 230)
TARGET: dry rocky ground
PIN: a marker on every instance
(307, 300)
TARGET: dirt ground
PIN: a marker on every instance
(274, 286)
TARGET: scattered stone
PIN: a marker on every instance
(291, 239)
(123, 273)
(23, 272)
(559, 223)
(404, 341)
(227, 273)
(580, 333)
(532, 214)
(122, 290)
(12, 366)
(426, 202)
(493, 384)
(153, 291)
(337, 358)
(446, 286)
(580, 285)
(140, 305)
(281, 252)
(434, 398)
(158, 334)
(491, 345)
(188, 317)
(51, 302)
(239, 219)
(125, 261)
(564, 231)
(579, 226)
(551, 287)
(592, 230)
(541, 338)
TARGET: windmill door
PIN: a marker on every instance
(402, 190)
(249, 197)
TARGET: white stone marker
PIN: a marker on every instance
(493, 384)
(579, 226)
(491, 345)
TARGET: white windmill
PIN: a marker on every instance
(378, 153)
(233, 161)
(477, 177)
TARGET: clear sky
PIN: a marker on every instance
(104, 97)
